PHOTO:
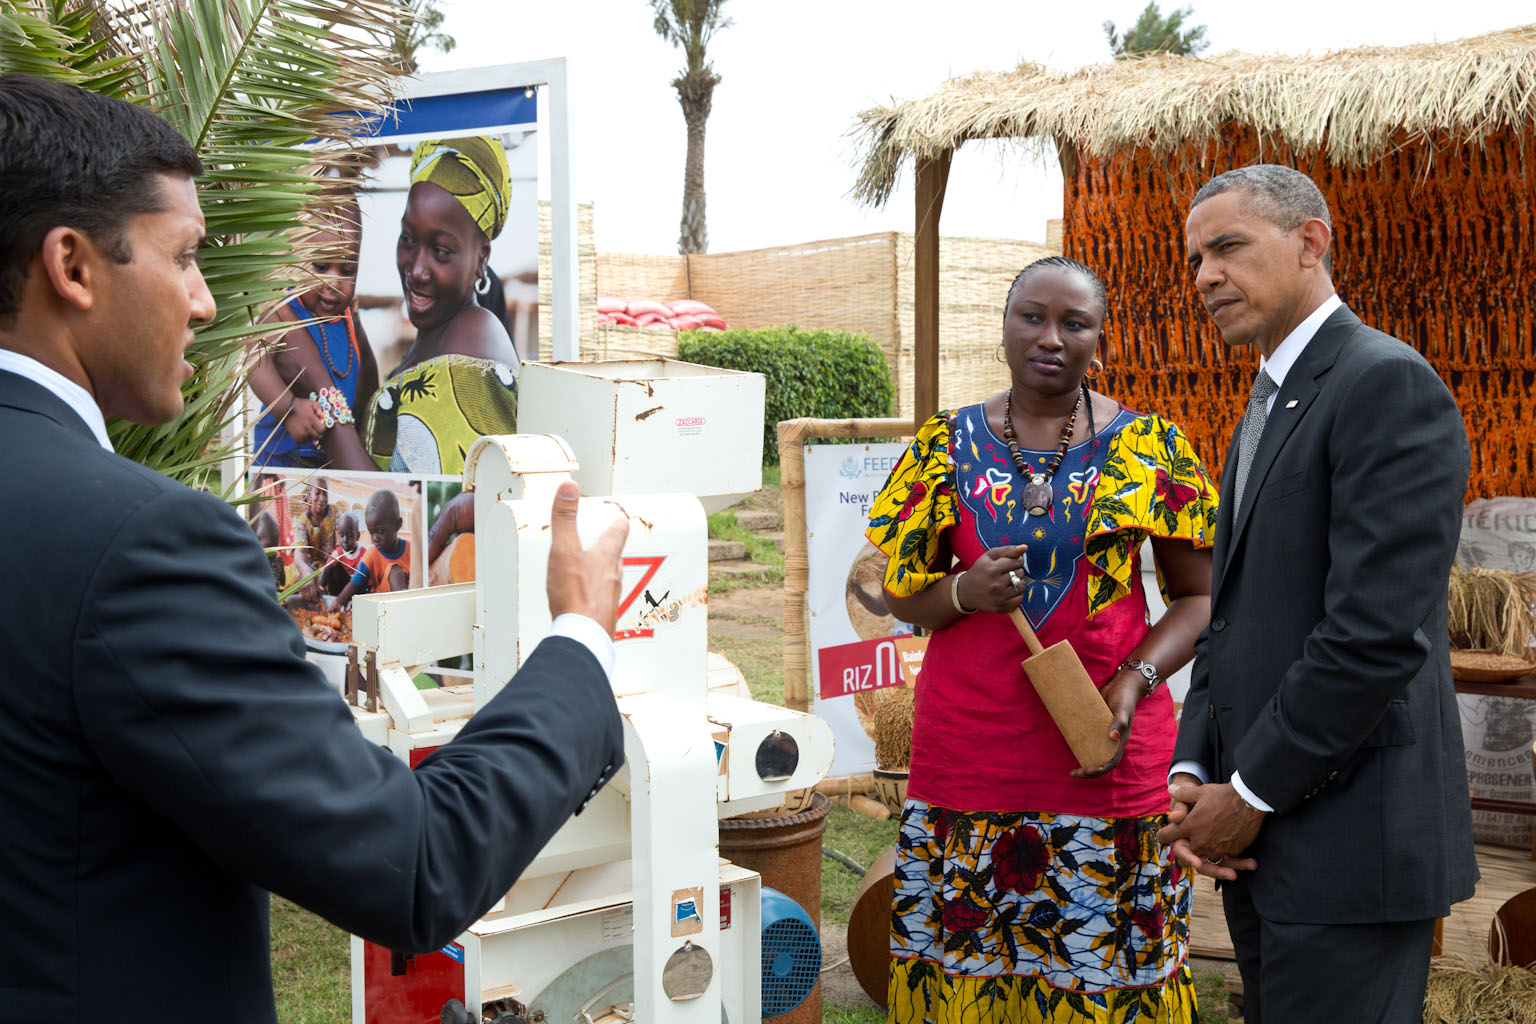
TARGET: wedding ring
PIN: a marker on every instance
(1013, 579)
(1214, 860)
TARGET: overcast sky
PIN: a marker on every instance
(795, 74)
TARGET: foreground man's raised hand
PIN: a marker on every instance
(585, 581)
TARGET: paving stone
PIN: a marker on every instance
(737, 568)
(759, 520)
(726, 550)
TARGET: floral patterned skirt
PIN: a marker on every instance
(1006, 917)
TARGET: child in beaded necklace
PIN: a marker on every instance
(317, 373)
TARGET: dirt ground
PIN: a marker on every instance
(756, 612)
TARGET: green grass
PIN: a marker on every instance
(766, 577)
(852, 1014)
(311, 973)
(1211, 997)
(723, 526)
(861, 840)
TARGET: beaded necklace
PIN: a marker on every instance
(325, 342)
(351, 344)
(1038, 495)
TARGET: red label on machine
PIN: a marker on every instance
(419, 754)
(725, 908)
(648, 566)
(848, 669)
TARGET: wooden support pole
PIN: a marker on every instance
(932, 176)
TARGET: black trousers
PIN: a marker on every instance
(1295, 973)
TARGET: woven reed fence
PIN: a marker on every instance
(1433, 243)
(862, 283)
(586, 272)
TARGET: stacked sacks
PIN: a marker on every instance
(682, 315)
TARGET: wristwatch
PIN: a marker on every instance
(1147, 672)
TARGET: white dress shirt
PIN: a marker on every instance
(583, 630)
(590, 635)
(62, 388)
(1277, 364)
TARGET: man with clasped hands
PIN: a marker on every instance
(1319, 772)
(166, 753)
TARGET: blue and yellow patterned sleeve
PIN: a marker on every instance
(912, 510)
(1152, 485)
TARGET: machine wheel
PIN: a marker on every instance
(597, 990)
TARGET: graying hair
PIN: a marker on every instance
(1282, 195)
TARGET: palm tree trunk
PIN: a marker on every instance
(695, 92)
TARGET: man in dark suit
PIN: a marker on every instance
(166, 753)
(1319, 770)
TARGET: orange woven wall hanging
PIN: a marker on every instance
(1434, 244)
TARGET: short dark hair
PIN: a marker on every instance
(1282, 195)
(1062, 263)
(384, 502)
(79, 159)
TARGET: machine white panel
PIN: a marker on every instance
(651, 426)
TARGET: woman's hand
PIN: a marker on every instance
(986, 586)
(1121, 693)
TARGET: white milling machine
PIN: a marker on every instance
(628, 914)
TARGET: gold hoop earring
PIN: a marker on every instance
(1095, 368)
(999, 354)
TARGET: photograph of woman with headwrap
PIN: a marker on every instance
(459, 378)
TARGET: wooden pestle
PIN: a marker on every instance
(1074, 703)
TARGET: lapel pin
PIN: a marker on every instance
(1291, 404)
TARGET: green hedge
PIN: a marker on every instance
(819, 373)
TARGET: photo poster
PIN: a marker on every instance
(416, 352)
(407, 414)
(319, 527)
(858, 649)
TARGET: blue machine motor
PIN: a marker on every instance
(791, 954)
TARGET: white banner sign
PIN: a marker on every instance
(1499, 533)
(853, 655)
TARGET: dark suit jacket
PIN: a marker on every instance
(1324, 676)
(167, 755)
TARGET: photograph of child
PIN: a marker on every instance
(314, 378)
(384, 567)
(346, 556)
(332, 537)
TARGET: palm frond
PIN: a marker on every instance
(252, 84)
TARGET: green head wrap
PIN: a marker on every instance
(474, 171)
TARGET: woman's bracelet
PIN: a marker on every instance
(1144, 669)
(954, 593)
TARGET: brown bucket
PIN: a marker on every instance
(786, 851)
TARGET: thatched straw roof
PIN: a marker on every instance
(1353, 105)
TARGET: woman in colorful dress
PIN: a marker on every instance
(459, 379)
(1028, 889)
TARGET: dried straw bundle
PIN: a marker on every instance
(1461, 992)
(1492, 609)
(1352, 106)
(893, 729)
